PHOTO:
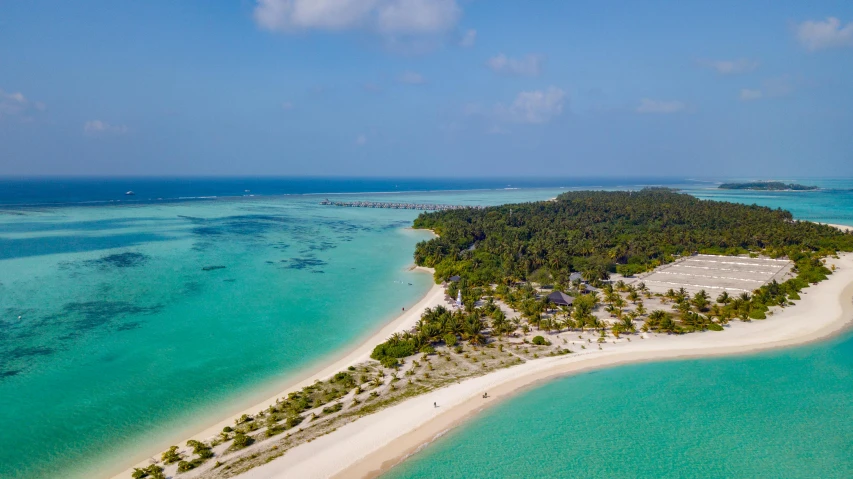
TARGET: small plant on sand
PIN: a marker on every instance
(171, 456)
(241, 440)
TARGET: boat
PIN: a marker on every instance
(130, 193)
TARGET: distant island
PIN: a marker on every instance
(767, 186)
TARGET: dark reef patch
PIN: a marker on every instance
(45, 245)
(303, 263)
(213, 268)
(92, 314)
(129, 326)
(239, 225)
(119, 260)
(28, 352)
(9, 373)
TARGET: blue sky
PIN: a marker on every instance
(426, 88)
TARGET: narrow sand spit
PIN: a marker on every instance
(373, 444)
(361, 353)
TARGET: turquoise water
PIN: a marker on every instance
(785, 414)
(781, 414)
(124, 326)
(120, 330)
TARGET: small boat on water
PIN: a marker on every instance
(130, 193)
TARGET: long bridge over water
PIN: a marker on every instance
(397, 206)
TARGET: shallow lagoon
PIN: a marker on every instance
(121, 326)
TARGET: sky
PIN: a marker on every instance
(432, 88)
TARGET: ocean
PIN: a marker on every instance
(127, 320)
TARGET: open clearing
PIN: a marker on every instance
(712, 273)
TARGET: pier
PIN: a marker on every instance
(397, 206)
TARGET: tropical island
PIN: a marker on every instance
(767, 186)
(531, 291)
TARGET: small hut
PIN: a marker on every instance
(560, 298)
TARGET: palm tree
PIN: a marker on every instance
(633, 296)
(499, 322)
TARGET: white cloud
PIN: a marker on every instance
(728, 67)
(468, 39)
(538, 106)
(17, 105)
(360, 140)
(98, 127)
(770, 88)
(412, 78)
(530, 65)
(391, 17)
(660, 106)
(817, 35)
(747, 94)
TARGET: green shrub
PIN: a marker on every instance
(293, 421)
(540, 341)
(388, 352)
(241, 440)
(227, 429)
(427, 349)
(171, 456)
(714, 327)
(153, 471)
(450, 339)
(757, 314)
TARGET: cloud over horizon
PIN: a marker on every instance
(15, 104)
(529, 65)
(818, 35)
(535, 107)
(388, 17)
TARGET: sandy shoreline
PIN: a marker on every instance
(841, 227)
(405, 321)
(373, 444)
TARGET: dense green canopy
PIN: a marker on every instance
(596, 232)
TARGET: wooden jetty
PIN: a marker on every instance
(396, 206)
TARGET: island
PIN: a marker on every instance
(533, 291)
(767, 186)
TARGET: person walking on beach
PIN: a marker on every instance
(434, 404)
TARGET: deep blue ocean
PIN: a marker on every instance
(39, 191)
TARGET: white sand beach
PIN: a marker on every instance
(373, 444)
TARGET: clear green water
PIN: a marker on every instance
(781, 414)
(114, 337)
